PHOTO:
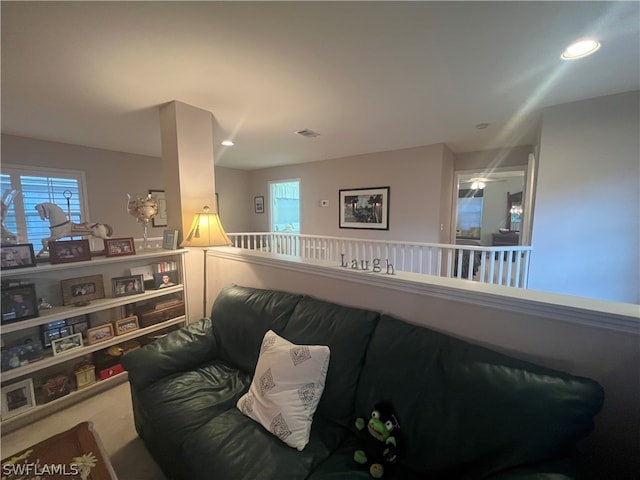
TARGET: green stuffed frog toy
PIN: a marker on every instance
(381, 445)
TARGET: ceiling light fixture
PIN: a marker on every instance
(580, 49)
(228, 143)
(481, 126)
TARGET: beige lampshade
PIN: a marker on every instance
(206, 231)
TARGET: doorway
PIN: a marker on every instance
(485, 207)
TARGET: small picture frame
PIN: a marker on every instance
(170, 239)
(160, 220)
(126, 325)
(364, 208)
(82, 290)
(258, 204)
(165, 279)
(17, 256)
(123, 286)
(100, 334)
(55, 387)
(17, 398)
(66, 344)
(19, 303)
(118, 247)
(79, 324)
(67, 251)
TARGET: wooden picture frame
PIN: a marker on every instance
(63, 345)
(99, 334)
(170, 239)
(19, 302)
(17, 256)
(17, 398)
(127, 324)
(258, 204)
(160, 220)
(82, 290)
(131, 285)
(364, 208)
(118, 247)
(67, 251)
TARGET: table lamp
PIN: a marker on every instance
(206, 231)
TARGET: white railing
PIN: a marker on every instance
(496, 265)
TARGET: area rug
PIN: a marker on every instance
(74, 454)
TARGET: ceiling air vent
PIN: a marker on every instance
(308, 133)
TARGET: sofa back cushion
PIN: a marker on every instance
(242, 315)
(464, 407)
(347, 332)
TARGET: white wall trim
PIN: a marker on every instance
(615, 316)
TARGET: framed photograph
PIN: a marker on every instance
(17, 256)
(100, 334)
(79, 324)
(117, 247)
(258, 203)
(19, 303)
(365, 208)
(170, 239)
(166, 279)
(160, 220)
(66, 344)
(80, 291)
(126, 325)
(55, 387)
(123, 286)
(17, 398)
(66, 251)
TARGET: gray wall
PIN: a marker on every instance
(586, 224)
(417, 192)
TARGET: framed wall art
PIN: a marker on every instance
(66, 251)
(123, 286)
(160, 220)
(258, 203)
(17, 398)
(19, 303)
(17, 256)
(80, 291)
(364, 208)
(117, 247)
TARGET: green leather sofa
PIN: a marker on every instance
(466, 412)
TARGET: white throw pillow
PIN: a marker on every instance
(286, 388)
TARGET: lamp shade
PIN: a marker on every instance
(206, 231)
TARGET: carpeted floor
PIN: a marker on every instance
(112, 419)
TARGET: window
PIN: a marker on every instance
(25, 187)
(285, 206)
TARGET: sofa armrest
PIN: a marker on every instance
(178, 351)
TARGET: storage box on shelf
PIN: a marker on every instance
(42, 355)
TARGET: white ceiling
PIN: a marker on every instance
(368, 76)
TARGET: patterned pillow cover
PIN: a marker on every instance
(286, 388)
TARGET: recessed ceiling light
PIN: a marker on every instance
(228, 143)
(580, 49)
